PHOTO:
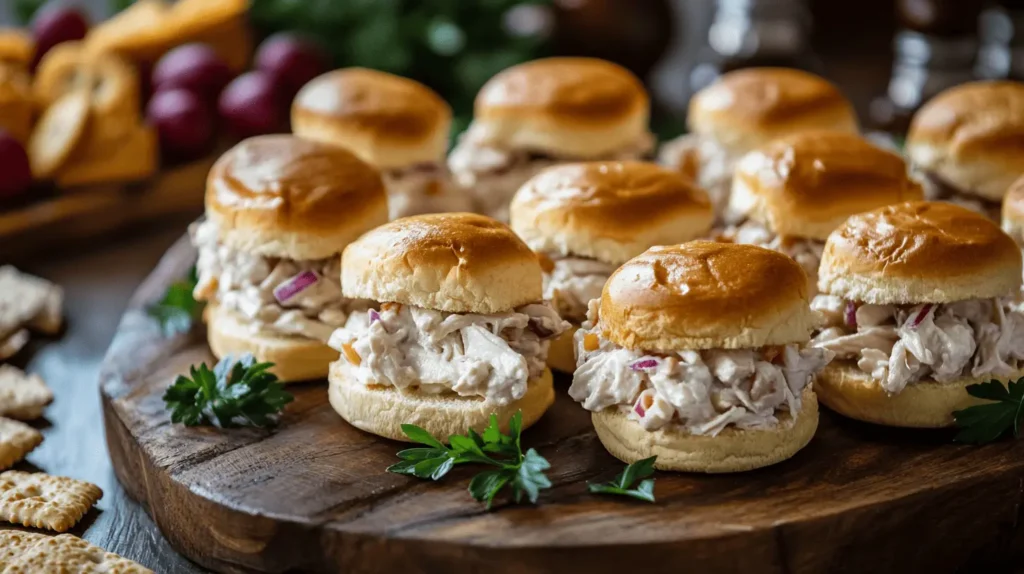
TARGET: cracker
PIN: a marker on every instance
(22, 396)
(67, 553)
(13, 343)
(14, 543)
(51, 317)
(16, 441)
(43, 501)
(43, 300)
(20, 301)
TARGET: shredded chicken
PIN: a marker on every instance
(573, 282)
(491, 356)
(245, 283)
(706, 162)
(806, 252)
(902, 344)
(424, 188)
(702, 391)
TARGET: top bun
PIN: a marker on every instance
(282, 196)
(707, 295)
(919, 252)
(609, 211)
(387, 120)
(1013, 211)
(747, 108)
(456, 262)
(972, 136)
(577, 107)
(807, 184)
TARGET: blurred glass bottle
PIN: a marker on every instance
(1002, 41)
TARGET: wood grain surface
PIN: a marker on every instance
(312, 495)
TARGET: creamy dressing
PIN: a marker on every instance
(900, 345)
(573, 282)
(245, 283)
(424, 188)
(707, 162)
(702, 392)
(806, 252)
(491, 356)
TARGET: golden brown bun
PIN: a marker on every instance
(387, 120)
(455, 262)
(707, 295)
(576, 107)
(294, 358)
(733, 450)
(1013, 211)
(17, 47)
(382, 410)
(748, 108)
(919, 252)
(851, 392)
(283, 196)
(17, 105)
(806, 185)
(609, 211)
(972, 136)
(562, 352)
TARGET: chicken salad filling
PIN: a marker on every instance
(899, 345)
(473, 355)
(937, 188)
(422, 188)
(570, 283)
(806, 252)
(707, 162)
(700, 391)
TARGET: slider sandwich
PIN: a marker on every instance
(697, 353)
(279, 211)
(790, 194)
(586, 219)
(967, 143)
(546, 112)
(746, 109)
(1013, 211)
(917, 300)
(460, 329)
(395, 124)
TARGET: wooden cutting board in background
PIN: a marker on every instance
(312, 495)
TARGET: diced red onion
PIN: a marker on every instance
(292, 287)
(374, 316)
(921, 315)
(644, 364)
(850, 314)
(638, 408)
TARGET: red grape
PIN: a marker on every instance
(184, 122)
(195, 67)
(56, 24)
(14, 165)
(251, 105)
(291, 60)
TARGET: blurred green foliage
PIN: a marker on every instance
(24, 9)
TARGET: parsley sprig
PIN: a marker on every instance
(523, 472)
(235, 393)
(177, 311)
(622, 484)
(985, 423)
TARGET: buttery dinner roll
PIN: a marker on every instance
(455, 262)
(707, 295)
(576, 107)
(283, 196)
(747, 108)
(387, 120)
(807, 184)
(732, 450)
(609, 211)
(972, 136)
(1013, 211)
(919, 252)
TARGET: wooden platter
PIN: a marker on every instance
(312, 495)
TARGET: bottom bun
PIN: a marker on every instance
(733, 450)
(851, 392)
(562, 352)
(383, 409)
(295, 359)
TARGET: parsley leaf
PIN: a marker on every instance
(985, 423)
(178, 310)
(235, 393)
(523, 472)
(621, 484)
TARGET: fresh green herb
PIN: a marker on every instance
(235, 393)
(622, 484)
(523, 472)
(178, 310)
(985, 423)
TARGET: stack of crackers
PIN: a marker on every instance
(27, 304)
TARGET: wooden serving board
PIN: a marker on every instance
(312, 495)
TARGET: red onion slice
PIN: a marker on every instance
(292, 287)
(850, 314)
(374, 316)
(638, 408)
(921, 315)
(644, 364)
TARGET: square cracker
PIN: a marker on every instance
(21, 300)
(16, 440)
(14, 342)
(22, 396)
(40, 500)
(14, 543)
(67, 553)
